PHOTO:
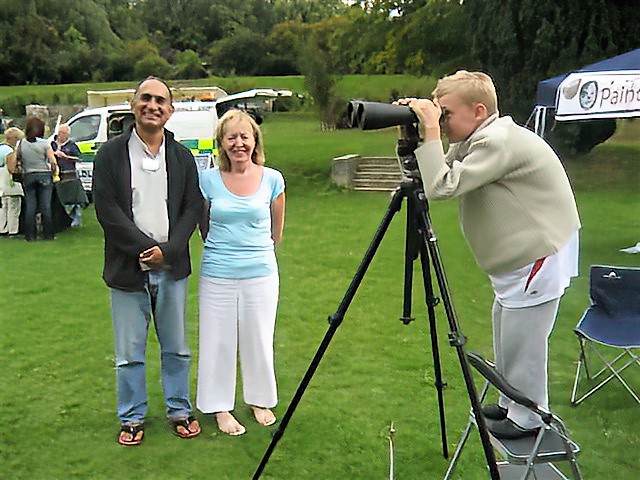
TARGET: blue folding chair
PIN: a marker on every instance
(611, 322)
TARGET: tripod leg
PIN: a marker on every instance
(411, 250)
(431, 302)
(334, 322)
(456, 339)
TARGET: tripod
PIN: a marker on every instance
(420, 242)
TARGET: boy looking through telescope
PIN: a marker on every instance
(518, 214)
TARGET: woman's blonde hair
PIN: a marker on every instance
(13, 133)
(470, 87)
(257, 156)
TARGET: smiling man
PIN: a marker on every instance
(519, 216)
(147, 199)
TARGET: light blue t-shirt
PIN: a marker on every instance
(239, 243)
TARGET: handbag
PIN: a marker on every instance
(14, 164)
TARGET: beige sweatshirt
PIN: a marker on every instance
(515, 201)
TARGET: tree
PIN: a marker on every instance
(305, 11)
(151, 64)
(359, 40)
(52, 41)
(520, 42)
(283, 42)
(320, 82)
(241, 53)
(125, 19)
(27, 40)
(429, 40)
(188, 65)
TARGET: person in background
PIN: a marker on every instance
(10, 191)
(519, 216)
(147, 200)
(39, 163)
(238, 290)
(69, 189)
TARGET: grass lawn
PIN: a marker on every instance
(370, 87)
(57, 400)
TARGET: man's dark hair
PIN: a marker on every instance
(34, 128)
(153, 77)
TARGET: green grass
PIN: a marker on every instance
(57, 402)
(370, 87)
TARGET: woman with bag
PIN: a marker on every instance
(38, 163)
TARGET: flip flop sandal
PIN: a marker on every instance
(185, 422)
(132, 430)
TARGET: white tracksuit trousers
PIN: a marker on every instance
(521, 349)
(236, 315)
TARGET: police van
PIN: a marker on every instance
(193, 124)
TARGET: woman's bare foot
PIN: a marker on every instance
(264, 416)
(228, 424)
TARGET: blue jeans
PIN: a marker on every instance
(164, 300)
(38, 189)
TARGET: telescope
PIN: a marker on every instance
(375, 115)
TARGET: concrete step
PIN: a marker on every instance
(375, 174)
(380, 174)
(376, 183)
(374, 189)
(379, 169)
(368, 174)
(386, 163)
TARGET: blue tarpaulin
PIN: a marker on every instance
(546, 93)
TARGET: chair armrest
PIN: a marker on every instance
(496, 379)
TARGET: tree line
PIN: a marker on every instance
(517, 41)
(61, 41)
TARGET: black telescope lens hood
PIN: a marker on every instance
(375, 115)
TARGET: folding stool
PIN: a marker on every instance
(527, 458)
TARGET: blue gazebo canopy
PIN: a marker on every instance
(546, 93)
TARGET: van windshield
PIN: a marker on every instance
(85, 128)
(189, 124)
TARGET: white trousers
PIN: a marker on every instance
(521, 349)
(10, 214)
(236, 315)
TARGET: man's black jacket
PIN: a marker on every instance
(112, 196)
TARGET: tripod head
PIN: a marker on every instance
(408, 139)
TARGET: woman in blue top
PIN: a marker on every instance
(238, 289)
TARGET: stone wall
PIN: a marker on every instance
(343, 169)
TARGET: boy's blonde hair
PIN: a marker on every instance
(236, 115)
(470, 87)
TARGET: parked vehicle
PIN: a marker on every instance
(193, 123)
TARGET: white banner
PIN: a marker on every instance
(590, 95)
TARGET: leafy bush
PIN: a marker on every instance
(188, 65)
(152, 64)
